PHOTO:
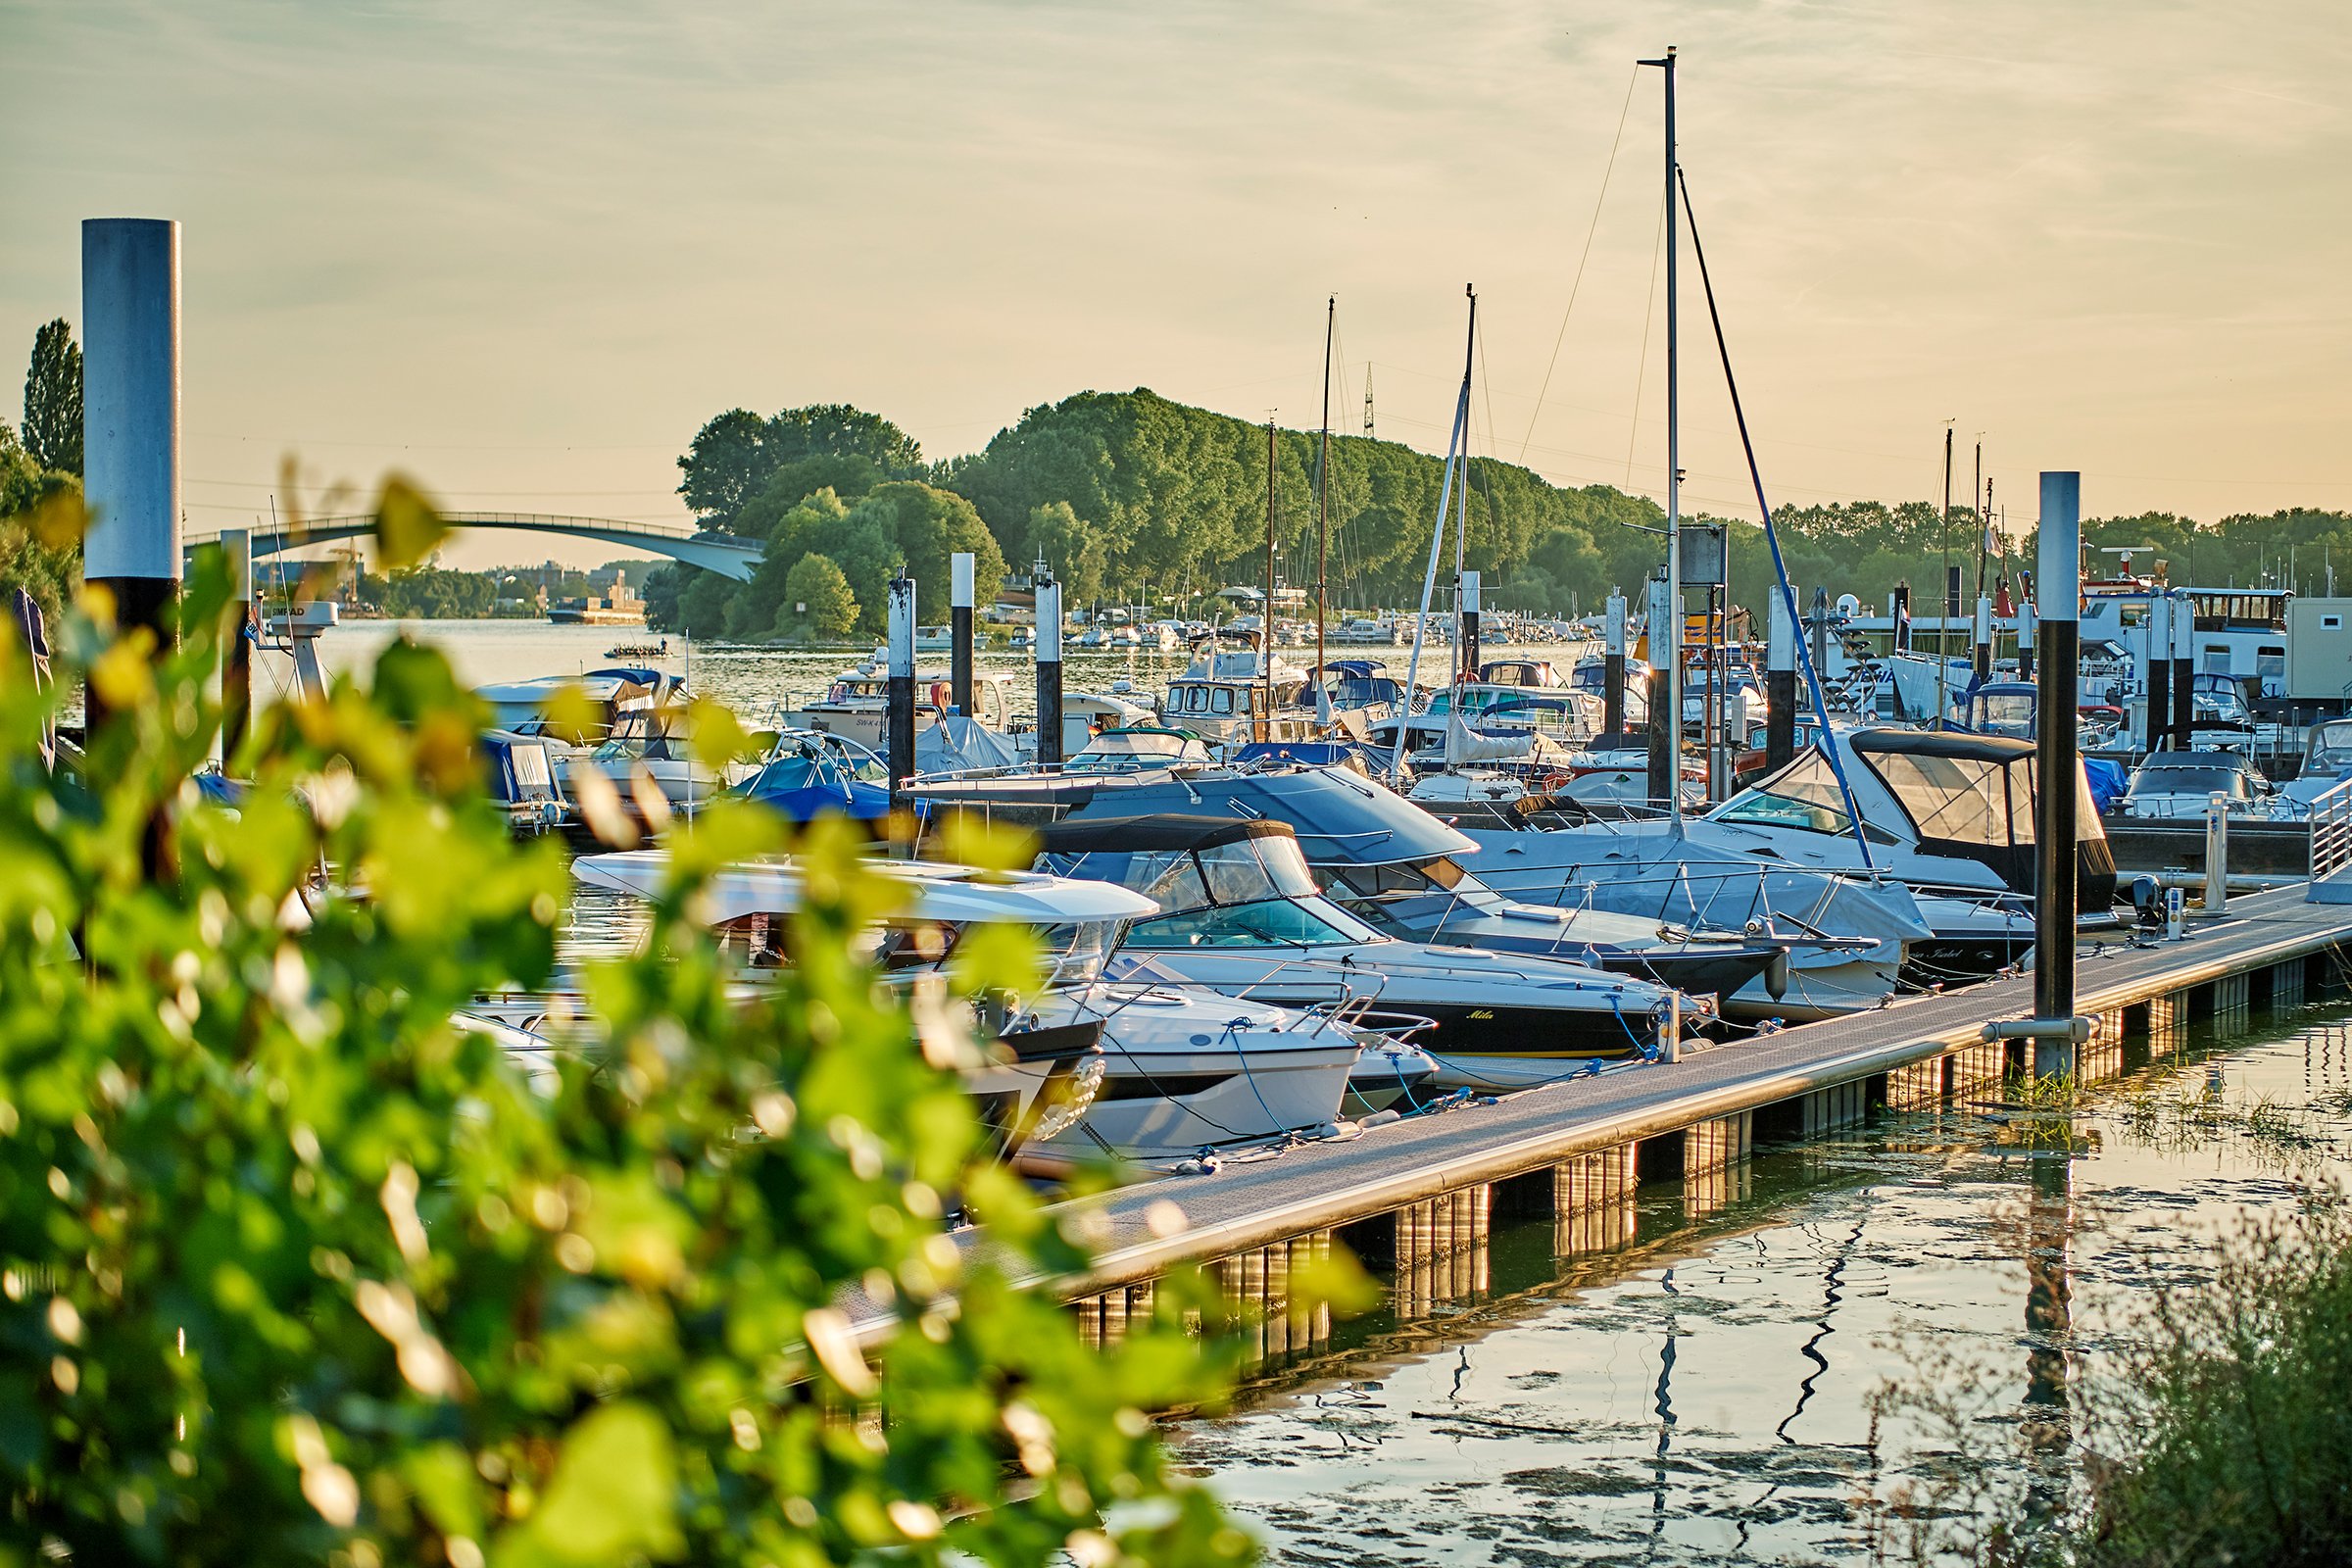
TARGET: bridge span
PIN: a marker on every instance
(721, 553)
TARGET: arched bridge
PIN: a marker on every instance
(725, 553)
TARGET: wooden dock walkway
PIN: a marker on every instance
(1415, 1191)
(1418, 1196)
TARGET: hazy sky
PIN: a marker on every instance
(523, 250)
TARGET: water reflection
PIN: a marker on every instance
(1684, 1372)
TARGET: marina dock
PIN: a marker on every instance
(1418, 1196)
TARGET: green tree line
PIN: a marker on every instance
(1128, 494)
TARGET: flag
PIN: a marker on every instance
(1994, 545)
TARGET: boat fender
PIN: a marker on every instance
(1379, 1119)
(1776, 975)
(1202, 1164)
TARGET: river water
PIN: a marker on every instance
(1703, 1392)
(755, 682)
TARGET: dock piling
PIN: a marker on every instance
(1665, 723)
(130, 421)
(1469, 603)
(236, 654)
(900, 688)
(2057, 585)
(2160, 670)
(2184, 682)
(2217, 854)
(1780, 684)
(1049, 671)
(961, 594)
(1613, 668)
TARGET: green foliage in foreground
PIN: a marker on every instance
(40, 542)
(291, 1270)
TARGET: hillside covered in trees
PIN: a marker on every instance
(1130, 497)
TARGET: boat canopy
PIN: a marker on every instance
(519, 767)
(952, 894)
(1337, 816)
(1159, 830)
(1949, 791)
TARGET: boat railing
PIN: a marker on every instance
(2331, 830)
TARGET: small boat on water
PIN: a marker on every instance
(1180, 1071)
(1242, 914)
(660, 650)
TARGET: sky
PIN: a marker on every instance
(522, 251)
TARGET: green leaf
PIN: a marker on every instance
(614, 1494)
(408, 526)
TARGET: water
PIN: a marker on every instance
(755, 682)
(1703, 1393)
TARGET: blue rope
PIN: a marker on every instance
(1780, 567)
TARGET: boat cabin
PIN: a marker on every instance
(1946, 792)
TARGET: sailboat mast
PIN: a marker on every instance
(1331, 324)
(1983, 519)
(1265, 621)
(1671, 686)
(1944, 639)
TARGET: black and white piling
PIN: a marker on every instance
(1899, 614)
(899, 692)
(1983, 664)
(1049, 671)
(2184, 681)
(236, 660)
(2026, 618)
(131, 419)
(2160, 670)
(1780, 684)
(1612, 668)
(961, 594)
(1469, 625)
(1665, 721)
(2057, 584)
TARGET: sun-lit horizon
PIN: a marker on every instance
(523, 255)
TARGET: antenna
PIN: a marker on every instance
(1367, 397)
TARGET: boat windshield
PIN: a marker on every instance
(1240, 872)
(2331, 748)
(2008, 714)
(1803, 795)
(1264, 922)
(1121, 750)
(1074, 955)
(2190, 779)
(1962, 799)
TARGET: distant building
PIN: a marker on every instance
(618, 606)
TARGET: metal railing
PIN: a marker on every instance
(2331, 830)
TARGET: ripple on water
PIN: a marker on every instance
(1709, 1397)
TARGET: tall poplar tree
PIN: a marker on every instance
(53, 399)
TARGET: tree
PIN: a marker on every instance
(41, 518)
(736, 456)
(1075, 552)
(298, 1272)
(53, 399)
(817, 603)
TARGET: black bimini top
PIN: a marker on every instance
(1941, 743)
(1126, 835)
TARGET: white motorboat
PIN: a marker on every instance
(2179, 786)
(1181, 1071)
(1242, 914)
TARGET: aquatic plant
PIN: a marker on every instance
(293, 1270)
(2239, 1394)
